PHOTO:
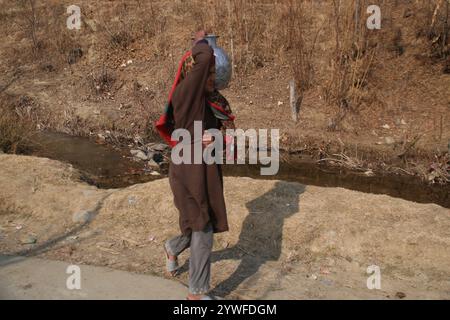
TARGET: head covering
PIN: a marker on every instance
(214, 100)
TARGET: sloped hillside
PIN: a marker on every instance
(379, 97)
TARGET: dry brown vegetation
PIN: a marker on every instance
(113, 75)
(16, 125)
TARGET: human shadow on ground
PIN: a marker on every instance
(261, 237)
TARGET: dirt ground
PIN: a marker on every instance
(286, 240)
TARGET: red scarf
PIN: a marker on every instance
(166, 124)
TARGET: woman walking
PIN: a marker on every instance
(197, 188)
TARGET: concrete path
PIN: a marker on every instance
(32, 278)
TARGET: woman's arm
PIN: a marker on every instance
(188, 98)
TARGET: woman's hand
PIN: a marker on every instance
(207, 139)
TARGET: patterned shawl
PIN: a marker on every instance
(215, 100)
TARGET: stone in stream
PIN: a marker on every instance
(139, 154)
(134, 152)
(159, 147)
(152, 164)
(150, 155)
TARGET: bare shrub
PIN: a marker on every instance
(16, 124)
(102, 81)
(439, 29)
(30, 23)
(129, 27)
(351, 62)
(431, 22)
(145, 100)
(121, 39)
(302, 49)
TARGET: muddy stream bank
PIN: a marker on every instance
(109, 167)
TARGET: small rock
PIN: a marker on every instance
(19, 227)
(389, 140)
(150, 154)
(29, 240)
(159, 147)
(139, 154)
(88, 193)
(400, 295)
(385, 126)
(403, 122)
(369, 173)
(314, 277)
(81, 216)
(280, 103)
(155, 173)
(131, 200)
(152, 163)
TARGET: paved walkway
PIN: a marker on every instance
(32, 278)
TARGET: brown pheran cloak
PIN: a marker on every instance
(197, 188)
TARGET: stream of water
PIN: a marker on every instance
(108, 167)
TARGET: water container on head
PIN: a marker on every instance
(223, 63)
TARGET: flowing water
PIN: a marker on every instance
(108, 167)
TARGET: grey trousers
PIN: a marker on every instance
(200, 243)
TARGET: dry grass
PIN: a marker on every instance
(438, 30)
(102, 81)
(352, 60)
(31, 23)
(16, 126)
(302, 48)
(343, 160)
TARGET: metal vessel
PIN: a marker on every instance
(223, 63)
